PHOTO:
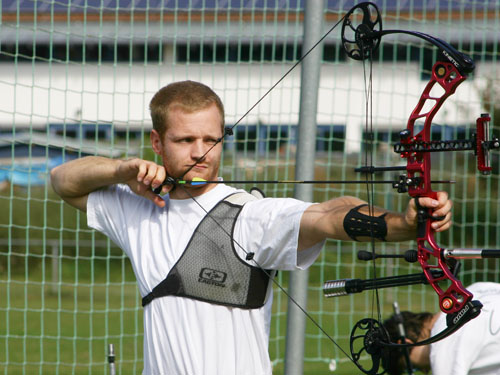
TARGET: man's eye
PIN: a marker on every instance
(213, 140)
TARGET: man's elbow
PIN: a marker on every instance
(67, 191)
(54, 178)
(57, 179)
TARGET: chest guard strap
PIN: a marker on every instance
(210, 269)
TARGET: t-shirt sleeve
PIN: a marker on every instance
(456, 354)
(269, 228)
(110, 211)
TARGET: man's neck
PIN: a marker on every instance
(189, 192)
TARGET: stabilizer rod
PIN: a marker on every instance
(471, 253)
(342, 287)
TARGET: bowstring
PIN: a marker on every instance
(368, 88)
(370, 187)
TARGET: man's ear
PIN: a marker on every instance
(156, 143)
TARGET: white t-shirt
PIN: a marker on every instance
(474, 348)
(186, 336)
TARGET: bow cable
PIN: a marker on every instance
(229, 131)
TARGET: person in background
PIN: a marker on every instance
(473, 349)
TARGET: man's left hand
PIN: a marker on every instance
(441, 207)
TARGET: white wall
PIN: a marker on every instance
(51, 93)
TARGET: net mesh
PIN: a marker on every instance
(76, 79)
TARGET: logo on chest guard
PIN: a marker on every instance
(212, 277)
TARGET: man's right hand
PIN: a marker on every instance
(143, 176)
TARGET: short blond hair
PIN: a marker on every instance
(189, 96)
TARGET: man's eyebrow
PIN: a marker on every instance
(179, 136)
(212, 136)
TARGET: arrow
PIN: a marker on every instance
(200, 181)
(197, 181)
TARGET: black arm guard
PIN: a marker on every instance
(357, 224)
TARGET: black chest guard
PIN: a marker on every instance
(210, 270)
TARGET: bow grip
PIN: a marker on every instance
(424, 216)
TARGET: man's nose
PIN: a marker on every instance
(198, 150)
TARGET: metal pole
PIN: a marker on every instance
(111, 359)
(304, 169)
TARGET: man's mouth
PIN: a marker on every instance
(198, 166)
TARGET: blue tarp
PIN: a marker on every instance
(28, 174)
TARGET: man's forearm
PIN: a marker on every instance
(82, 176)
(384, 225)
(327, 220)
(398, 228)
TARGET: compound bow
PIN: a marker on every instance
(361, 35)
(360, 40)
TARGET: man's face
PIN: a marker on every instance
(187, 138)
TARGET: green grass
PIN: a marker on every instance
(65, 328)
(67, 331)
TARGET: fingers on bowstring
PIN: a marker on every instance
(152, 171)
(159, 177)
(142, 170)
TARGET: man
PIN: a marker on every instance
(473, 349)
(207, 318)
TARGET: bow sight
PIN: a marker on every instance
(361, 35)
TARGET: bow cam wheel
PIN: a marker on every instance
(360, 31)
(367, 337)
